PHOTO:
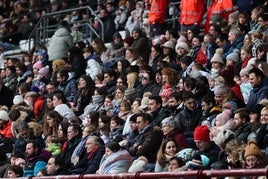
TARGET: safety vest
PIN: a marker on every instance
(220, 7)
(192, 11)
(157, 13)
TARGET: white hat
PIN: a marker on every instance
(182, 45)
(144, 103)
(168, 44)
(4, 115)
(217, 57)
(18, 99)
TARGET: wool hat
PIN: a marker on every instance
(201, 133)
(234, 15)
(252, 149)
(244, 71)
(168, 44)
(12, 68)
(220, 90)
(167, 91)
(44, 71)
(18, 99)
(34, 89)
(230, 105)
(195, 74)
(144, 103)
(223, 137)
(128, 40)
(215, 19)
(233, 56)
(217, 57)
(182, 39)
(4, 115)
(169, 121)
(223, 117)
(37, 65)
(182, 45)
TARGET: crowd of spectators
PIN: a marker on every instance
(159, 99)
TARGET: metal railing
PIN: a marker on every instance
(197, 174)
(43, 29)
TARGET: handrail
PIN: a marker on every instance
(42, 27)
(202, 174)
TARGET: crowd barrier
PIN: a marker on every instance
(199, 174)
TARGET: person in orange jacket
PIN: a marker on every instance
(192, 12)
(157, 16)
(5, 125)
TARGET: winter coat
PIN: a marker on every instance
(6, 96)
(11, 82)
(116, 134)
(89, 164)
(116, 163)
(69, 88)
(6, 130)
(95, 105)
(242, 132)
(68, 151)
(93, 67)
(237, 44)
(188, 120)
(54, 149)
(142, 48)
(211, 152)
(60, 44)
(37, 163)
(258, 93)
(148, 142)
(64, 111)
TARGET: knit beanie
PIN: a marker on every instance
(4, 115)
(169, 121)
(234, 15)
(223, 137)
(168, 44)
(18, 99)
(223, 117)
(230, 105)
(244, 71)
(182, 39)
(252, 149)
(12, 68)
(201, 133)
(44, 71)
(187, 154)
(37, 65)
(167, 91)
(233, 56)
(182, 45)
(220, 90)
(217, 57)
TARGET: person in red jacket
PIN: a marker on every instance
(157, 16)
(192, 12)
(5, 125)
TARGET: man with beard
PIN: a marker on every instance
(36, 158)
(241, 126)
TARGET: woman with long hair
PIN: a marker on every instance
(51, 123)
(167, 150)
(100, 49)
(86, 89)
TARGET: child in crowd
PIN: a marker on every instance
(52, 145)
(116, 127)
(175, 163)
